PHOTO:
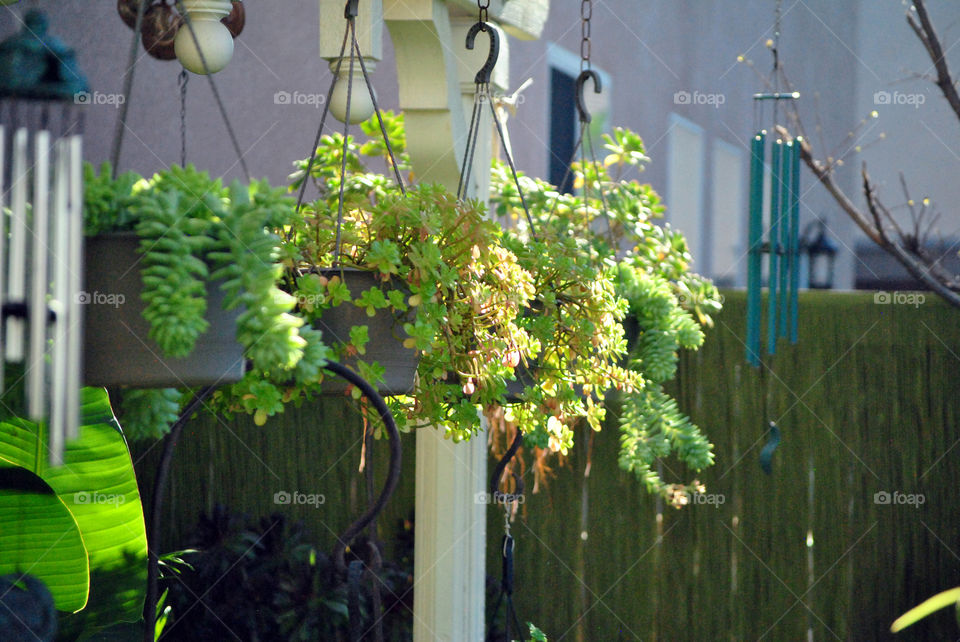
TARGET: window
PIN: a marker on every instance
(685, 182)
(564, 127)
(727, 227)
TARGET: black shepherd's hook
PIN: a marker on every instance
(585, 116)
(393, 473)
(502, 464)
(483, 76)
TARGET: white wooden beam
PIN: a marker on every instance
(522, 19)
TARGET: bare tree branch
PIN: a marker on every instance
(928, 36)
(877, 221)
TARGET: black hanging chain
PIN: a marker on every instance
(482, 7)
(586, 14)
(508, 543)
(182, 83)
(777, 15)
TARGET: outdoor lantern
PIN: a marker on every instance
(212, 35)
(821, 253)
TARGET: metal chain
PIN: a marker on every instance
(182, 82)
(586, 13)
(483, 6)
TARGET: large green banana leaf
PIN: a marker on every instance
(39, 536)
(97, 484)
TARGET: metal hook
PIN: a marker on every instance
(585, 116)
(502, 465)
(483, 76)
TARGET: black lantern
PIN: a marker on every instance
(821, 253)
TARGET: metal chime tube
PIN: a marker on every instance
(72, 219)
(755, 249)
(42, 325)
(40, 252)
(3, 242)
(16, 285)
(783, 249)
(61, 275)
(794, 247)
(773, 239)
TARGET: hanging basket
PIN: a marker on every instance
(386, 337)
(117, 348)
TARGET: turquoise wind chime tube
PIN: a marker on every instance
(783, 243)
(755, 248)
(794, 247)
(776, 168)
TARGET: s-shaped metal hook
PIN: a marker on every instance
(585, 116)
(483, 76)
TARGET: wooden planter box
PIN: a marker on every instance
(386, 338)
(117, 350)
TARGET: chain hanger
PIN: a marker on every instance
(586, 14)
(182, 83)
(482, 7)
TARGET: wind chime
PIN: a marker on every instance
(782, 238)
(41, 244)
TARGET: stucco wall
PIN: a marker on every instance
(836, 53)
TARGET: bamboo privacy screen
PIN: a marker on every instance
(868, 403)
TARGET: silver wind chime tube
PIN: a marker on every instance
(41, 262)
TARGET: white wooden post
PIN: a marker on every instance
(436, 80)
(435, 74)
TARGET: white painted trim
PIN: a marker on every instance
(695, 238)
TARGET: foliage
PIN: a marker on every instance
(193, 233)
(89, 542)
(942, 600)
(265, 581)
(480, 308)
(612, 222)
